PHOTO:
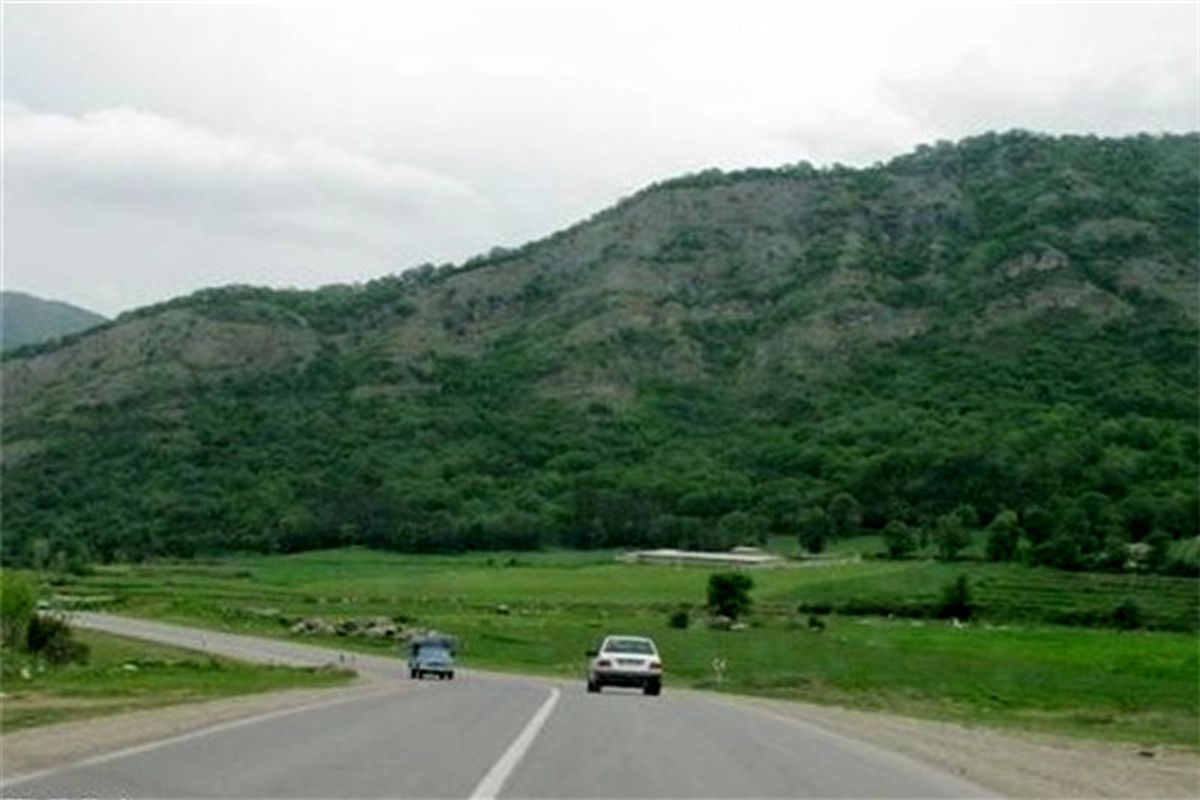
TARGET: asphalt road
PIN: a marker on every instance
(485, 735)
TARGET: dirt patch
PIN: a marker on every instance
(1013, 765)
(26, 751)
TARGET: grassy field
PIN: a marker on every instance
(126, 675)
(539, 612)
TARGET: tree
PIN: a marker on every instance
(739, 527)
(898, 539)
(956, 600)
(845, 513)
(17, 605)
(729, 593)
(1003, 537)
(967, 515)
(815, 528)
(1060, 552)
(1038, 524)
(1158, 551)
(950, 536)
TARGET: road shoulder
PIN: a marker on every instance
(48, 746)
(1011, 764)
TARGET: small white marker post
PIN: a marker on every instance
(718, 665)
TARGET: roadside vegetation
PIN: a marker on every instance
(60, 674)
(816, 632)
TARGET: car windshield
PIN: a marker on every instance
(434, 653)
(629, 646)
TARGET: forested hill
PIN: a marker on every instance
(1009, 322)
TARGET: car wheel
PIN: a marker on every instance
(450, 676)
(412, 673)
(593, 687)
(652, 688)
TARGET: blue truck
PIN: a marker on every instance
(431, 655)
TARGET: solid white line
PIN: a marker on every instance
(489, 787)
(103, 758)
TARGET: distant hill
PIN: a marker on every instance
(1006, 322)
(25, 319)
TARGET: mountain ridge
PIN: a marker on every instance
(28, 319)
(712, 302)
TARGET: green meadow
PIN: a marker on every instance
(1016, 665)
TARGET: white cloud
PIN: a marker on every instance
(139, 161)
(87, 187)
(176, 146)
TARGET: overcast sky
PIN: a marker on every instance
(151, 150)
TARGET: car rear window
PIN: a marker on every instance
(629, 646)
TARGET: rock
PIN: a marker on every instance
(312, 626)
(720, 622)
(503, 610)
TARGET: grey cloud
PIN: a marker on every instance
(124, 158)
(980, 93)
(193, 207)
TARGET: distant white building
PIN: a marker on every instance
(738, 557)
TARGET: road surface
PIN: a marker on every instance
(484, 735)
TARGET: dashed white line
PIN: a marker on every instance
(489, 788)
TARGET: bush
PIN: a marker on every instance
(729, 593)
(950, 535)
(17, 605)
(51, 638)
(1003, 537)
(956, 600)
(898, 539)
(679, 619)
(1128, 615)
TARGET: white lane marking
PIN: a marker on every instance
(103, 758)
(489, 788)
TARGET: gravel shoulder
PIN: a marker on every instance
(33, 749)
(1011, 764)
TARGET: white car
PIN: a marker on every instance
(625, 661)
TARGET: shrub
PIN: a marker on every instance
(899, 539)
(17, 605)
(956, 600)
(679, 619)
(815, 529)
(1003, 537)
(1128, 615)
(729, 593)
(950, 536)
(51, 638)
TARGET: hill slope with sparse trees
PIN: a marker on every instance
(995, 337)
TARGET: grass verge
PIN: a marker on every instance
(127, 675)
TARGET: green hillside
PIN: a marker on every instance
(1009, 322)
(25, 319)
